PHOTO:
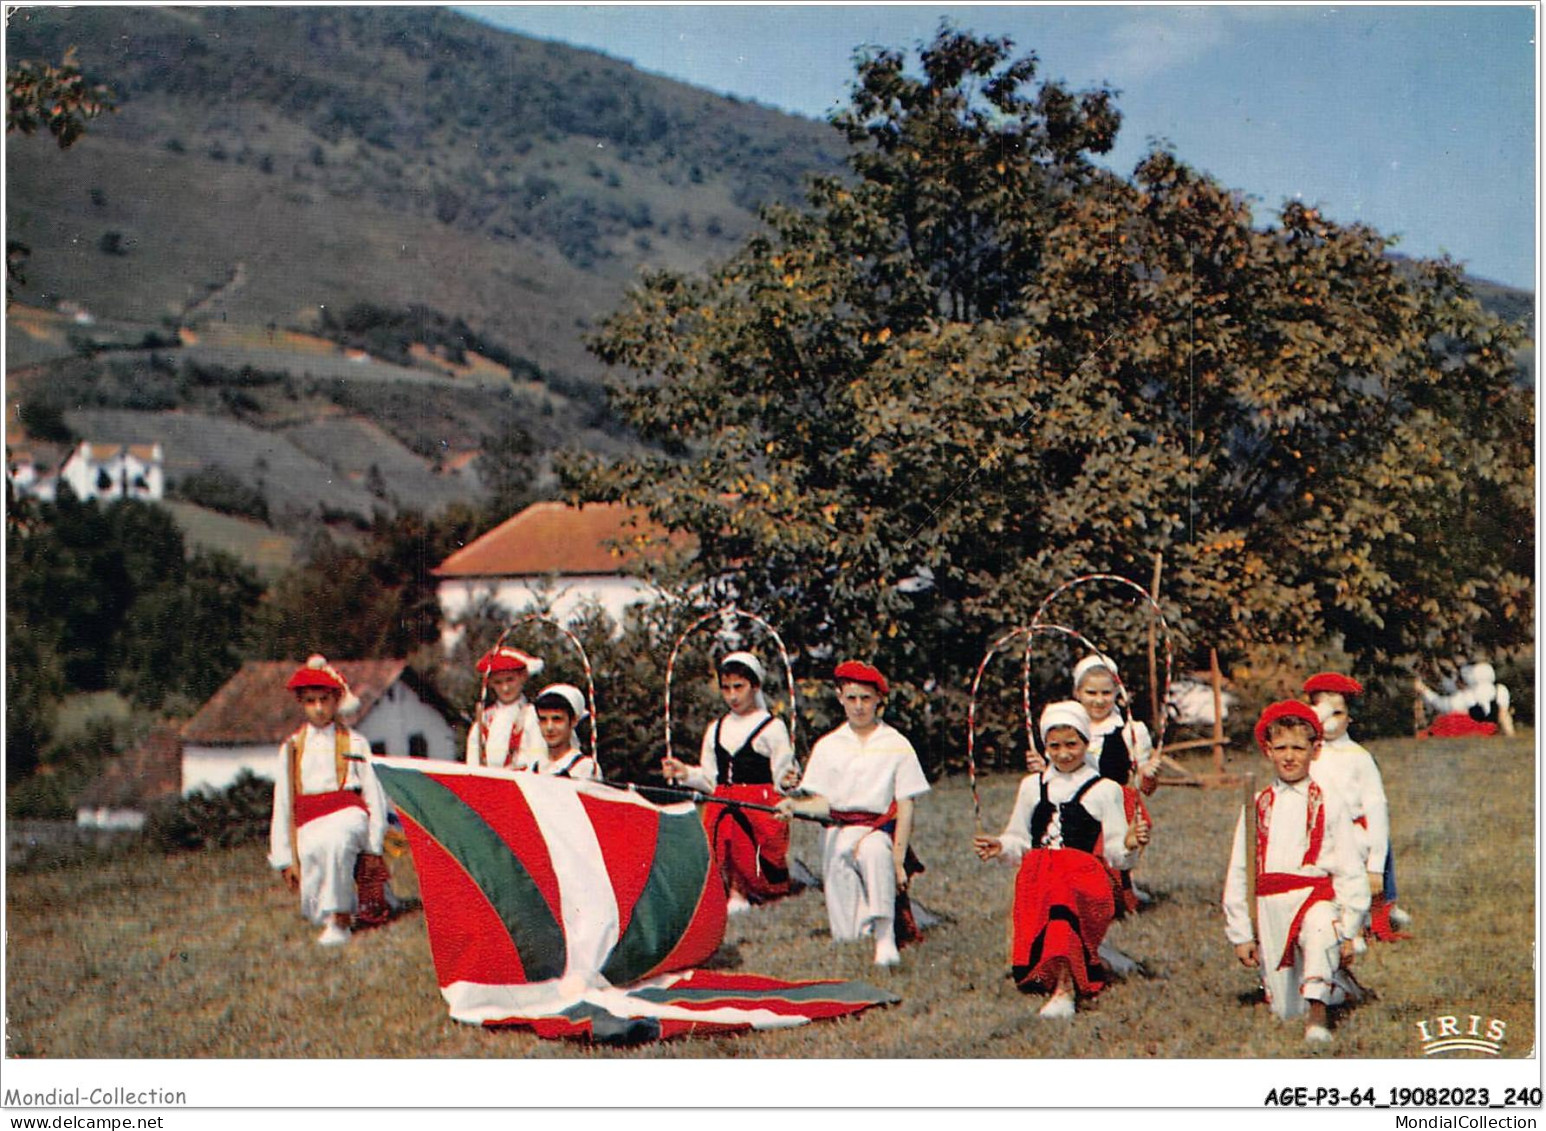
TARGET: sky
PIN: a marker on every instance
(1420, 121)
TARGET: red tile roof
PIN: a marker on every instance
(149, 772)
(551, 537)
(254, 707)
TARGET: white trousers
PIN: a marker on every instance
(329, 847)
(859, 879)
(1311, 976)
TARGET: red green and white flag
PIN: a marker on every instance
(579, 909)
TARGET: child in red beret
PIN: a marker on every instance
(1347, 769)
(329, 811)
(865, 776)
(1311, 891)
(506, 732)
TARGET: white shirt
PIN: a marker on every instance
(581, 766)
(864, 774)
(773, 744)
(1287, 842)
(1103, 802)
(1471, 695)
(502, 718)
(319, 774)
(1348, 770)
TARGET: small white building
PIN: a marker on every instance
(553, 554)
(243, 724)
(115, 471)
(29, 480)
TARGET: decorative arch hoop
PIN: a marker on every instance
(1159, 615)
(1030, 633)
(724, 614)
(590, 682)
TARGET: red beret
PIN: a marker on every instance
(316, 672)
(505, 659)
(1333, 681)
(1287, 709)
(853, 671)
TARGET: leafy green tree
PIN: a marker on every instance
(104, 597)
(55, 97)
(981, 365)
(374, 600)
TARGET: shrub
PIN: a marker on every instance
(238, 814)
(218, 490)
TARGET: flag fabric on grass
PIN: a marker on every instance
(579, 909)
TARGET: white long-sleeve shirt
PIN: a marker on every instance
(1287, 842)
(772, 743)
(1481, 695)
(1103, 802)
(575, 764)
(319, 774)
(503, 719)
(1348, 770)
(864, 774)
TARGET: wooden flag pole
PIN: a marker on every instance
(1248, 783)
(1216, 678)
(1154, 697)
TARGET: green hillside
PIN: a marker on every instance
(286, 161)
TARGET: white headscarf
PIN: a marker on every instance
(752, 664)
(1090, 663)
(1478, 675)
(569, 694)
(1065, 713)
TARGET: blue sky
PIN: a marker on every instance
(1418, 120)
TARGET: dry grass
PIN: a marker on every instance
(203, 955)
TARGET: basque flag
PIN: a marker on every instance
(578, 909)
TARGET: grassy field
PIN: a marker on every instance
(201, 954)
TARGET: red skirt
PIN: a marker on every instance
(1458, 725)
(751, 847)
(1063, 905)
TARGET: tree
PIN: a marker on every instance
(981, 365)
(375, 600)
(55, 97)
(58, 98)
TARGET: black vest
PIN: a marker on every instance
(1487, 714)
(1116, 760)
(1080, 829)
(745, 766)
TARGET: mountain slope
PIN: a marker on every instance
(392, 155)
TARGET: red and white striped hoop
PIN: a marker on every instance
(1030, 632)
(590, 682)
(1159, 615)
(725, 614)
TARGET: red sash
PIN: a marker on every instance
(860, 817)
(310, 806)
(1277, 883)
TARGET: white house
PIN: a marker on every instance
(242, 725)
(115, 471)
(29, 480)
(553, 554)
